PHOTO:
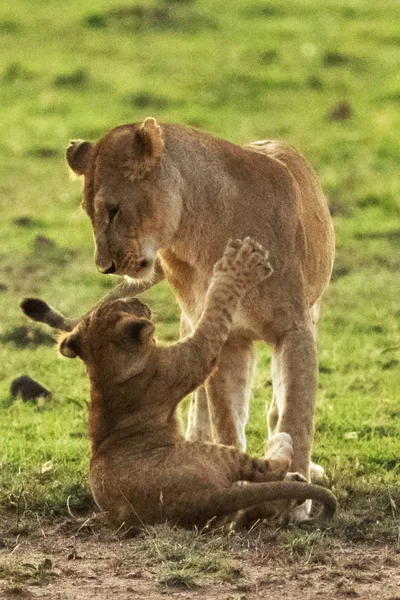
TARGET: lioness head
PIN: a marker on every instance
(131, 196)
(113, 341)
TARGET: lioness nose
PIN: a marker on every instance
(108, 270)
(143, 263)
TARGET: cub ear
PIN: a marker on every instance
(138, 330)
(78, 154)
(69, 345)
(148, 144)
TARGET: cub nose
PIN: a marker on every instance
(108, 270)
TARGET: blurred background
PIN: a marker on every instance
(323, 76)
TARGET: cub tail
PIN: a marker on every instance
(38, 310)
(228, 501)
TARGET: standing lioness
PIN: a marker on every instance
(164, 200)
(142, 470)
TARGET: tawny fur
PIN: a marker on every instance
(163, 200)
(142, 470)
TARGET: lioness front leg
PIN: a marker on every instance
(199, 424)
(229, 392)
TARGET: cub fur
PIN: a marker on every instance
(142, 470)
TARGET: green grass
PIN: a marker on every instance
(183, 557)
(279, 69)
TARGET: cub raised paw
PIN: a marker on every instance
(244, 263)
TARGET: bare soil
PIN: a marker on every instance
(73, 560)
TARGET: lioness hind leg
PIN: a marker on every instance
(297, 373)
(298, 359)
(228, 392)
(317, 472)
(279, 394)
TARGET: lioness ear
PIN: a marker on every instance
(149, 141)
(138, 330)
(78, 154)
(69, 346)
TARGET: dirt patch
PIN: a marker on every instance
(85, 560)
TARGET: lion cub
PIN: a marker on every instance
(142, 469)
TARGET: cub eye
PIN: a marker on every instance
(113, 213)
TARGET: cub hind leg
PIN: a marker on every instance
(274, 466)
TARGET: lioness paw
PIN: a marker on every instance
(317, 472)
(296, 477)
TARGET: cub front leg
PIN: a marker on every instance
(243, 266)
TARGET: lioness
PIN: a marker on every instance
(142, 469)
(164, 200)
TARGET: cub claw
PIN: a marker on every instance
(245, 260)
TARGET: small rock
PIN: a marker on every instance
(27, 388)
(74, 555)
(42, 241)
(24, 221)
(134, 575)
(341, 112)
(3, 287)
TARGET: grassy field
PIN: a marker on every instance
(323, 76)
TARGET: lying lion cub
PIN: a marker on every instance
(142, 470)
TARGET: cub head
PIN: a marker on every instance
(131, 194)
(114, 341)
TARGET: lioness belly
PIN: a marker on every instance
(249, 322)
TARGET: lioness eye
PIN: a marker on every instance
(113, 213)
